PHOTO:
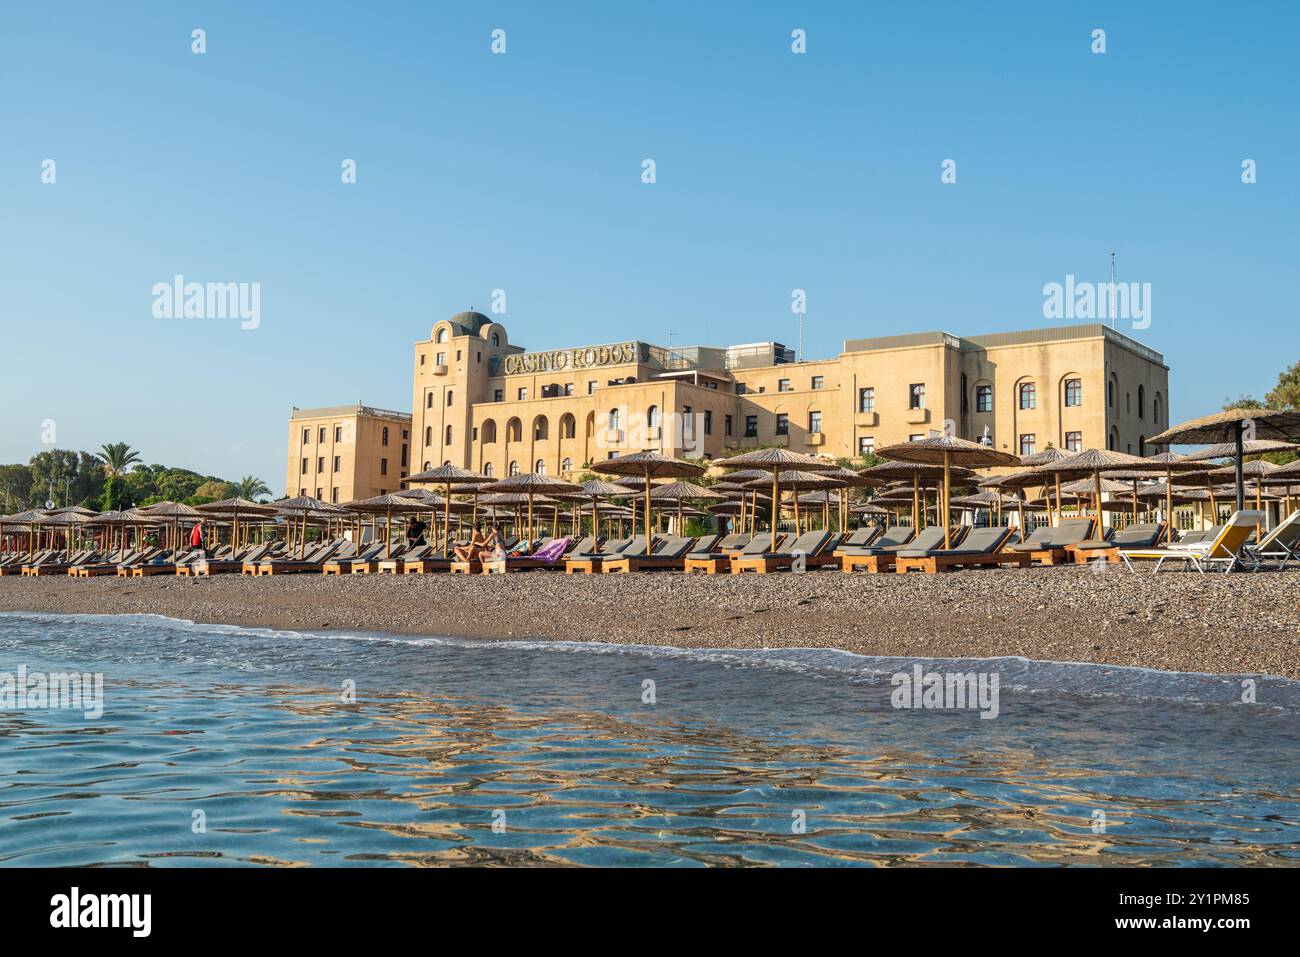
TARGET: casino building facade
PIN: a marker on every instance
(484, 403)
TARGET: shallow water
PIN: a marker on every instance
(461, 752)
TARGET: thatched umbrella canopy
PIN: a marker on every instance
(69, 519)
(798, 480)
(177, 512)
(948, 450)
(447, 476)
(1258, 469)
(1045, 457)
(299, 507)
(31, 518)
(734, 483)
(649, 465)
(122, 518)
(74, 510)
(596, 489)
(1236, 426)
(1092, 462)
(531, 484)
(773, 462)
(918, 473)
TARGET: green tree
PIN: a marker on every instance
(1245, 402)
(251, 487)
(15, 487)
(65, 476)
(1286, 394)
(214, 490)
(118, 457)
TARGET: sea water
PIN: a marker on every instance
(222, 745)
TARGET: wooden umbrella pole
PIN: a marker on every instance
(1096, 479)
(776, 504)
(947, 509)
(916, 499)
(446, 521)
(1169, 504)
(649, 530)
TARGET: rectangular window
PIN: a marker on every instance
(322, 434)
(442, 359)
(421, 358)
(304, 469)
(591, 387)
(383, 466)
(1074, 441)
(450, 394)
(708, 422)
(751, 426)
(814, 422)
(499, 395)
(782, 385)
(428, 400)
(984, 398)
(916, 437)
(688, 422)
(740, 388)
(338, 462)
(457, 355)
(1028, 443)
(568, 388)
(334, 494)
(818, 381)
(1073, 392)
(523, 395)
(782, 423)
(478, 357)
(318, 491)
(338, 433)
(866, 444)
(726, 426)
(916, 395)
(320, 464)
(866, 400)
(306, 436)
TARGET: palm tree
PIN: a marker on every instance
(117, 457)
(250, 487)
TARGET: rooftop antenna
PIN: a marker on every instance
(1112, 289)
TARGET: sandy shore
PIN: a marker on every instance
(1174, 621)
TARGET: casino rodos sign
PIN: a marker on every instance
(591, 357)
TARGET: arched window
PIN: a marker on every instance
(566, 465)
(447, 440)
(489, 431)
(1112, 442)
(446, 463)
(487, 469)
(1142, 402)
(614, 419)
(496, 340)
(984, 398)
(652, 416)
(442, 334)
(1073, 392)
(1028, 395)
(568, 426)
(514, 430)
(428, 435)
(426, 465)
(541, 429)
(539, 467)
(514, 467)
(1142, 445)
(1155, 408)
(1110, 395)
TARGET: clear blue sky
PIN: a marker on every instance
(522, 172)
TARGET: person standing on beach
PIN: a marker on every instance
(415, 532)
(196, 538)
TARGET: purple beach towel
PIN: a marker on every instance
(552, 551)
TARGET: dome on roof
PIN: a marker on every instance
(473, 321)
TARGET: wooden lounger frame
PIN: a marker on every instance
(872, 563)
(762, 564)
(933, 564)
(425, 566)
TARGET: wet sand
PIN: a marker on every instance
(1174, 621)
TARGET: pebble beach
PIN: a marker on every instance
(1229, 624)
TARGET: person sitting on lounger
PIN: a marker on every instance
(415, 533)
(479, 545)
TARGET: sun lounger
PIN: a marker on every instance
(343, 566)
(889, 538)
(1226, 549)
(61, 564)
(669, 554)
(589, 563)
(980, 547)
(312, 562)
(1135, 536)
(1280, 545)
(1048, 546)
(864, 538)
(225, 561)
(714, 562)
(396, 564)
(805, 549)
(881, 557)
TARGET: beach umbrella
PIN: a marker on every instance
(1048, 455)
(531, 485)
(386, 505)
(1258, 469)
(31, 518)
(1235, 426)
(649, 465)
(122, 518)
(176, 511)
(796, 480)
(679, 492)
(447, 476)
(69, 519)
(917, 473)
(1092, 462)
(774, 461)
(233, 507)
(597, 489)
(948, 450)
(735, 480)
(943, 453)
(301, 506)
